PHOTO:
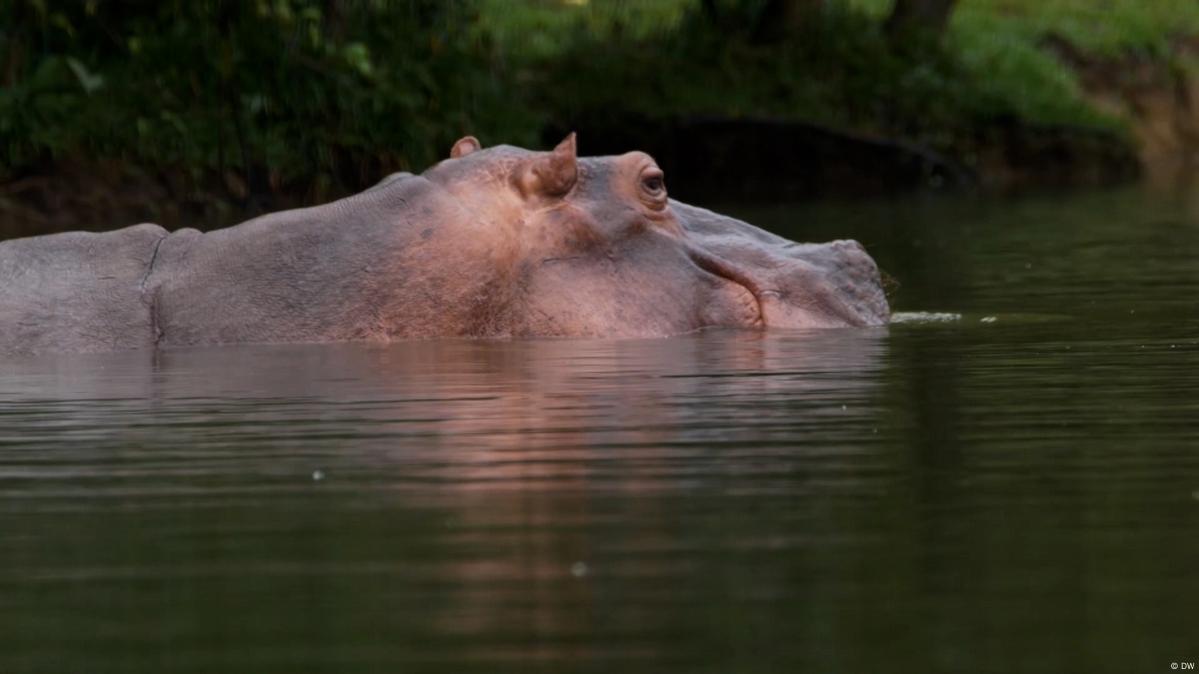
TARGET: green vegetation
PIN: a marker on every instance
(1000, 44)
(275, 92)
(310, 95)
(1101, 27)
(838, 68)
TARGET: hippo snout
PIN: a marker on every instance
(857, 281)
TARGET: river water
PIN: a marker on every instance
(1005, 481)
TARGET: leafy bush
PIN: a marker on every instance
(275, 91)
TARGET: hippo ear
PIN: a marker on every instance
(465, 146)
(553, 173)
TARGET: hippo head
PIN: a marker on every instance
(594, 247)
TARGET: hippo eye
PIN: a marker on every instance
(653, 185)
(652, 182)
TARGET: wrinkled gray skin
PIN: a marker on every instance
(501, 242)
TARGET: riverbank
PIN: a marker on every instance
(196, 120)
(1014, 94)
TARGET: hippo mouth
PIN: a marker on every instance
(750, 294)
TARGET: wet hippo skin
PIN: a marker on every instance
(496, 242)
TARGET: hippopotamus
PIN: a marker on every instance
(501, 242)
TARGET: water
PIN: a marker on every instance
(1009, 486)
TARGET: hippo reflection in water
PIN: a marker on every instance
(497, 242)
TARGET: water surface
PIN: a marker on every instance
(1013, 488)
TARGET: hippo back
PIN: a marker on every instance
(400, 260)
(77, 291)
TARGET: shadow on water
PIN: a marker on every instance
(1015, 495)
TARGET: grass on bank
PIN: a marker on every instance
(1098, 27)
(840, 69)
(994, 64)
(1001, 43)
